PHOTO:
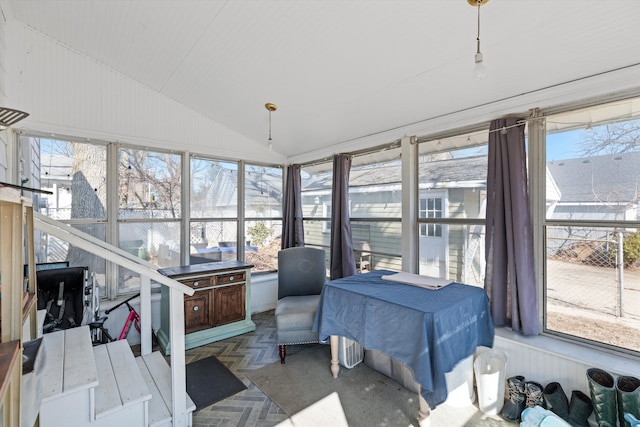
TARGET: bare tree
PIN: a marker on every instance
(88, 187)
(150, 181)
(612, 138)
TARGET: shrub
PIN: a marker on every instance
(259, 233)
(631, 249)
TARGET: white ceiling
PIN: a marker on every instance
(339, 70)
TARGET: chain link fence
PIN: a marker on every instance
(592, 291)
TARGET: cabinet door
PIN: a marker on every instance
(229, 304)
(197, 311)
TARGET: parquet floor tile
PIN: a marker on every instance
(243, 353)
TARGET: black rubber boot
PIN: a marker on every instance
(515, 399)
(603, 397)
(556, 400)
(579, 409)
(533, 393)
(628, 391)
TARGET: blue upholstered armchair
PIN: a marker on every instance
(301, 275)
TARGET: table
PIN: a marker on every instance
(430, 331)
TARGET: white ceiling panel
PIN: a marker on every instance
(339, 70)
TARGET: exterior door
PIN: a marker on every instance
(433, 237)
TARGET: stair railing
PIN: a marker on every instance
(147, 273)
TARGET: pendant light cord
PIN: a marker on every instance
(478, 37)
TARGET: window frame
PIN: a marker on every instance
(112, 221)
(538, 186)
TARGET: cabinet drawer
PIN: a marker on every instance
(234, 277)
(201, 282)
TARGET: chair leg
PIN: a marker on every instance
(283, 352)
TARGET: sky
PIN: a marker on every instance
(564, 145)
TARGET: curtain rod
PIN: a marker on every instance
(521, 122)
(396, 143)
(362, 152)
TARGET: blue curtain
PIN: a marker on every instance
(343, 263)
(292, 227)
(510, 279)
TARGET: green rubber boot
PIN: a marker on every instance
(579, 409)
(628, 391)
(603, 397)
(556, 400)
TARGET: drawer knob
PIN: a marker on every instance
(196, 308)
(196, 283)
(231, 278)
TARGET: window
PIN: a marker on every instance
(375, 205)
(147, 200)
(214, 211)
(592, 225)
(431, 208)
(451, 208)
(149, 197)
(76, 174)
(263, 216)
(316, 182)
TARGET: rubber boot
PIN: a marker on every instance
(579, 409)
(556, 400)
(515, 398)
(603, 397)
(628, 391)
(534, 395)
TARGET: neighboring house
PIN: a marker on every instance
(449, 188)
(218, 198)
(55, 176)
(601, 187)
(456, 188)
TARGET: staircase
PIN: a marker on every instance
(103, 386)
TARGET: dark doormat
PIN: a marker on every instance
(209, 381)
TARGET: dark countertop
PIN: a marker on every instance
(204, 268)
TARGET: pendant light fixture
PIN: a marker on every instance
(270, 108)
(479, 71)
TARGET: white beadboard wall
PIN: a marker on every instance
(69, 94)
(264, 292)
(546, 359)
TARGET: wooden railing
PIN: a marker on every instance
(147, 273)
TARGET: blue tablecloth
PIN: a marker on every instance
(430, 331)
